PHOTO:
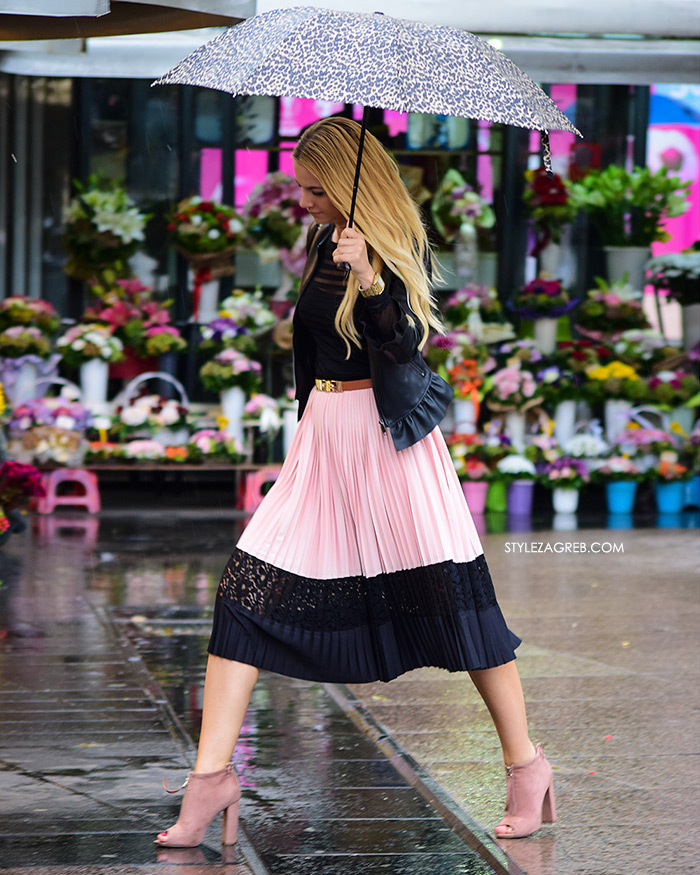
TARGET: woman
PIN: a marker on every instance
(362, 562)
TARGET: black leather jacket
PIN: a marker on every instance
(411, 399)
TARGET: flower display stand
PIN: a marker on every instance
(565, 501)
(475, 493)
(89, 499)
(620, 496)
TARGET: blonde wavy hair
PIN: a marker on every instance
(385, 214)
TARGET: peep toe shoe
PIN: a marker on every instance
(529, 798)
(206, 795)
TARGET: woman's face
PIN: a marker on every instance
(314, 198)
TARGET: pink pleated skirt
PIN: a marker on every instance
(362, 562)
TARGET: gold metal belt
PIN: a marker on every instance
(342, 385)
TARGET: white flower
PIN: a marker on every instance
(214, 233)
(516, 465)
(235, 226)
(196, 220)
(130, 226)
(169, 415)
(581, 445)
(78, 344)
(66, 422)
(133, 416)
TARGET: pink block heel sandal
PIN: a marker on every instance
(529, 799)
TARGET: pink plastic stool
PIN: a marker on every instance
(254, 482)
(89, 499)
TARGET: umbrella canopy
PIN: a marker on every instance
(78, 19)
(374, 60)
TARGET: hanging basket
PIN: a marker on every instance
(219, 264)
(166, 436)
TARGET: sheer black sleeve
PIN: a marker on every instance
(385, 321)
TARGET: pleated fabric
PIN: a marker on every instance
(362, 562)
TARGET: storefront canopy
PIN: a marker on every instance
(79, 19)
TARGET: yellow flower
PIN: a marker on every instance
(675, 427)
(3, 402)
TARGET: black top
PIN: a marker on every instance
(317, 308)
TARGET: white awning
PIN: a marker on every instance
(545, 59)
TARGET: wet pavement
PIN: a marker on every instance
(101, 670)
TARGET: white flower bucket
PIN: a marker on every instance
(549, 260)
(564, 421)
(26, 384)
(93, 384)
(464, 415)
(515, 428)
(546, 335)
(208, 302)
(232, 407)
(565, 500)
(628, 260)
(617, 415)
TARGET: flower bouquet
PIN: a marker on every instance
(550, 206)
(542, 299)
(579, 355)
(128, 308)
(470, 452)
(617, 381)
(63, 412)
(521, 353)
(669, 469)
(24, 340)
(162, 339)
(647, 444)
(457, 209)
(263, 410)
(630, 209)
(565, 472)
(513, 389)
(231, 368)
(618, 469)
(557, 384)
(103, 229)
(274, 217)
(516, 467)
(543, 450)
(82, 343)
(214, 445)
(460, 306)
(207, 234)
(20, 310)
(249, 311)
(644, 350)
(467, 379)
(590, 446)
(610, 310)
(678, 273)
(143, 451)
(670, 389)
(49, 445)
(20, 487)
(223, 332)
(164, 419)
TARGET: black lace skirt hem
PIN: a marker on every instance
(463, 641)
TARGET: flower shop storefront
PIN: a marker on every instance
(148, 321)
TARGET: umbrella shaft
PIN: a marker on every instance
(365, 116)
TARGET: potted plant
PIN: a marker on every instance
(103, 229)
(207, 234)
(249, 311)
(25, 357)
(224, 331)
(467, 379)
(565, 477)
(619, 386)
(621, 476)
(545, 301)
(513, 392)
(628, 211)
(669, 478)
(678, 274)
(233, 375)
(215, 445)
(162, 419)
(20, 487)
(91, 348)
(561, 388)
(49, 431)
(519, 474)
(610, 310)
(551, 210)
(474, 460)
(678, 392)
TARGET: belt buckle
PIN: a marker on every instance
(329, 385)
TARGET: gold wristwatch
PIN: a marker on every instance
(375, 289)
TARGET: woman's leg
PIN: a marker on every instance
(227, 689)
(502, 693)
